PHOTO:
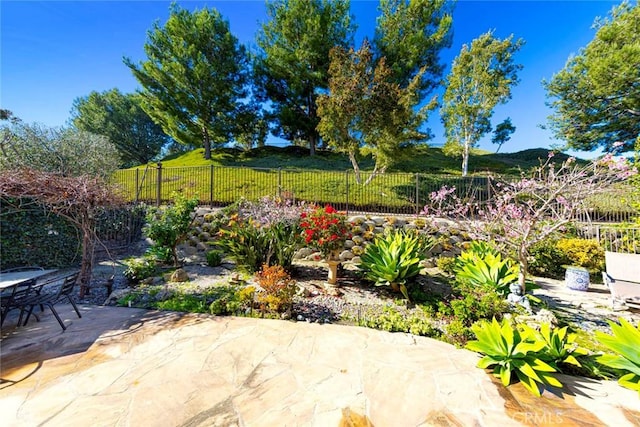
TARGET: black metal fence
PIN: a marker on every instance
(389, 193)
(119, 228)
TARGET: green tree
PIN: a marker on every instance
(64, 151)
(481, 77)
(410, 35)
(120, 118)
(365, 110)
(193, 78)
(502, 133)
(251, 127)
(8, 116)
(596, 96)
(292, 64)
(167, 227)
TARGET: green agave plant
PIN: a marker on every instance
(560, 347)
(393, 258)
(477, 249)
(512, 352)
(486, 268)
(625, 341)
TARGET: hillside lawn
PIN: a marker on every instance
(328, 177)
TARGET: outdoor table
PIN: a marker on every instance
(14, 278)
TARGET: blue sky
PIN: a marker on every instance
(53, 52)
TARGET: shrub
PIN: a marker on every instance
(471, 303)
(446, 264)
(160, 254)
(585, 253)
(278, 289)
(36, 236)
(139, 269)
(257, 235)
(457, 333)
(481, 265)
(326, 230)
(546, 260)
(392, 320)
(169, 226)
(185, 302)
(393, 258)
(214, 258)
(560, 349)
(513, 354)
(625, 342)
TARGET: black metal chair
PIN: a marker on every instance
(15, 299)
(8, 298)
(51, 299)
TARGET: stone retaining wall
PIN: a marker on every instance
(364, 228)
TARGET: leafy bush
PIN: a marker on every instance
(326, 230)
(251, 245)
(481, 265)
(512, 353)
(214, 258)
(169, 226)
(471, 303)
(278, 289)
(33, 235)
(560, 348)
(457, 333)
(446, 264)
(477, 249)
(160, 254)
(393, 258)
(546, 260)
(230, 300)
(625, 342)
(257, 235)
(585, 253)
(392, 320)
(185, 302)
(139, 269)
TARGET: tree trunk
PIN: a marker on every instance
(313, 140)
(356, 167)
(465, 158)
(524, 267)
(86, 265)
(206, 141)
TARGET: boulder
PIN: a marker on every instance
(179, 276)
(303, 253)
(346, 255)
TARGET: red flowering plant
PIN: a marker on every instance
(326, 230)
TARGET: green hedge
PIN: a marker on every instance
(35, 236)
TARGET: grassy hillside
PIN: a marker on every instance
(328, 177)
(420, 159)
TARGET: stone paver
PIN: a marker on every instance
(131, 367)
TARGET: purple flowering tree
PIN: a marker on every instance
(523, 212)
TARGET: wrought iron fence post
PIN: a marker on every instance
(417, 194)
(137, 184)
(279, 182)
(211, 186)
(159, 185)
(346, 194)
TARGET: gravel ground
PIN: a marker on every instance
(317, 303)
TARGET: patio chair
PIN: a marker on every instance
(15, 299)
(51, 299)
